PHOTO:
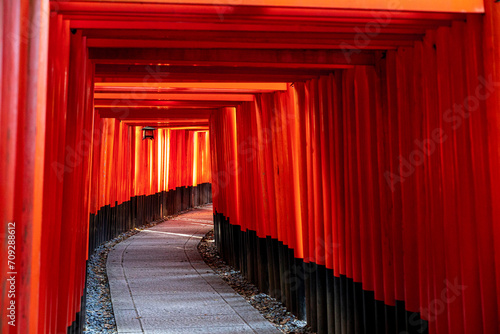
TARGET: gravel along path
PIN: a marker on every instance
(273, 310)
(99, 315)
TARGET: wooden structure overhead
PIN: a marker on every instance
(144, 51)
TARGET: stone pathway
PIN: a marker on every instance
(160, 284)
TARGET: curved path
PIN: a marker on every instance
(160, 284)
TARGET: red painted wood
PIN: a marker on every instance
(490, 56)
(308, 165)
(413, 243)
(314, 59)
(22, 99)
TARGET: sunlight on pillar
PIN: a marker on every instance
(296, 177)
(160, 146)
(232, 116)
(167, 166)
(195, 157)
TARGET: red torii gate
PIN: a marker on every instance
(66, 152)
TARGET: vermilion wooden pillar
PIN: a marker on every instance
(24, 69)
(54, 170)
(492, 72)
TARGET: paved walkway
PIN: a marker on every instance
(160, 284)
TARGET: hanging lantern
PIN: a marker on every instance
(148, 132)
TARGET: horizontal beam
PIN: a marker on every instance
(163, 73)
(155, 38)
(117, 104)
(261, 26)
(203, 126)
(182, 87)
(333, 44)
(281, 23)
(226, 11)
(202, 85)
(171, 115)
(174, 96)
(157, 74)
(470, 6)
(165, 122)
(139, 91)
(313, 59)
(205, 77)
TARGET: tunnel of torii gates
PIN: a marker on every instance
(350, 149)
